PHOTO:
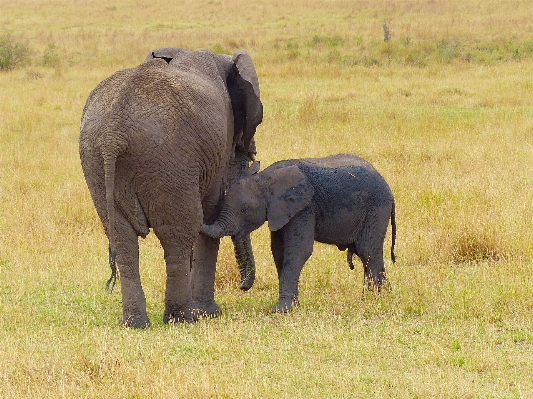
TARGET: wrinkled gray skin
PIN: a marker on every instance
(340, 200)
(240, 167)
(156, 143)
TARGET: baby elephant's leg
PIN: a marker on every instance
(297, 238)
(370, 246)
(277, 246)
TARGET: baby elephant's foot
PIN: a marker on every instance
(285, 305)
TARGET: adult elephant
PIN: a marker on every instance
(156, 145)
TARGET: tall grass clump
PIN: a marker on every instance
(476, 245)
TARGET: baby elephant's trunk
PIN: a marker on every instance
(243, 253)
(212, 230)
(245, 261)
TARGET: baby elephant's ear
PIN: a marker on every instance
(290, 192)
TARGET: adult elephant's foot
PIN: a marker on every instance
(285, 304)
(135, 321)
(178, 316)
(207, 310)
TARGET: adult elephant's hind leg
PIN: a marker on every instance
(133, 299)
(177, 245)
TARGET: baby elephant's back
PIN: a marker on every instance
(341, 176)
(346, 188)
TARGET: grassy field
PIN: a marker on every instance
(444, 110)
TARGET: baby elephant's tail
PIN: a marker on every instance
(393, 223)
(351, 253)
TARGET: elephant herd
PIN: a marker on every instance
(169, 145)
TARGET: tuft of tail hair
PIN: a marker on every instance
(113, 265)
(393, 224)
(350, 255)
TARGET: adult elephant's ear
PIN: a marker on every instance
(247, 109)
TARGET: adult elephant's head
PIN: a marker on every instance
(242, 84)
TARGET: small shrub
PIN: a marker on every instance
(371, 62)
(334, 57)
(447, 51)
(235, 44)
(218, 48)
(290, 45)
(11, 53)
(293, 50)
(327, 41)
(387, 49)
(417, 59)
(51, 56)
(527, 47)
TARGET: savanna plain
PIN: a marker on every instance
(443, 109)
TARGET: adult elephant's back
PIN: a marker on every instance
(182, 145)
(98, 110)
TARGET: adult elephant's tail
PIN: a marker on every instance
(393, 223)
(112, 143)
(109, 179)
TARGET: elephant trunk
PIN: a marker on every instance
(239, 168)
(242, 246)
(245, 261)
(213, 230)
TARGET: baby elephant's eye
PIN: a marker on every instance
(244, 210)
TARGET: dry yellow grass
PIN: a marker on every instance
(444, 111)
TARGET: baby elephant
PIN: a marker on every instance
(340, 199)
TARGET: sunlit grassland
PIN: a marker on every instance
(444, 111)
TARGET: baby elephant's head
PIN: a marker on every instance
(243, 210)
(275, 194)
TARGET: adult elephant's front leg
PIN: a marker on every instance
(204, 260)
(203, 277)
